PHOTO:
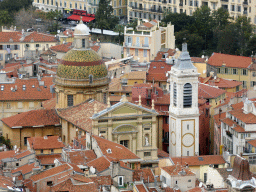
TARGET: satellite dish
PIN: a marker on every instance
(200, 184)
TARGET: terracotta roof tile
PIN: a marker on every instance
(196, 189)
(239, 105)
(22, 154)
(168, 189)
(141, 188)
(100, 164)
(102, 180)
(204, 160)
(6, 154)
(218, 59)
(48, 159)
(252, 142)
(220, 82)
(198, 60)
(39, 37)
(162, 154)
(49, 104)
(95, 48)
(80, 115)
(209, 92)
(65, 47)
(148, 25)
(118, 151)
(137, 75)
(176, 169)
(68, 32)
(25, 169)
(146, 175)
(5, 181)
(246, 118)
(50, 142)
(40, 117)
(32, 90)
(159, 56)
(5, 37)
(81, 157)
(159, 67)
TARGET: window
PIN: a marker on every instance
(189, 180)
(244, 72)
(42, 151)
(37, 45)
(147, 154)
(8, 105)
(20, 105)
(125, 143)
(49, 183)
(187, 95)
(16, 47)
(187, 127)
(70, 100)
(174, 94)
(26, 140)
(187, 153)
(239, 8)
(205, 177)
(52, 151)
(226, 70)
(244, 84)
(83, 43)
(120, 180)
(70, 5)
(51, 2)
(234, 71)
(8, 46)
(190, 3)
(145, 53)
(232, 7)
(1, 47)
(215, 166)
(17, 164)
(136, 52)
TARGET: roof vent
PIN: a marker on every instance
(109, 151)
(33, 86)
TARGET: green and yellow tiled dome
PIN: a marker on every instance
(79, 64)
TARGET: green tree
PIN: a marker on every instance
(120, 30)
(51, 16)
(220, 18)
(104, 18)
(194, 41)
(251, 48)
(5, 18)
(133, 24)
(15, 5)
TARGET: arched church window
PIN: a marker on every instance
(174, 94)
(187, 95)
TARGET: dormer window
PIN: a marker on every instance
(83, 43)
(24, 87)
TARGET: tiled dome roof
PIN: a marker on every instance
(79, 64)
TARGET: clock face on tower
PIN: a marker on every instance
(188, 140)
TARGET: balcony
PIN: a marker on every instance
(181, 4)
(136, 45)
(143, 33)
(245, 12)
(224, 1)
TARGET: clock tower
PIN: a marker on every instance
(183, 111)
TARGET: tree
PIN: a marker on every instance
(15, 5)
(53, 15)
(24, 18)
(194, 41)
(220, 18)
(104, 18)
(5, 18)
(133, 24)
(251, 48)
(120, 30)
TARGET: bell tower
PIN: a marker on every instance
(183, 110)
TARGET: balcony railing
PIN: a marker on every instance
(245, 2)
(245, 12)
(164, 2)
(224, 0)
(136, 45)
(150, 10)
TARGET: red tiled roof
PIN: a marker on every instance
(75, 183)
(80, 115)
(65, 47)
(102, 180)
(7, 154)
(165, 100)
(218, 59)
(51, 172)
(176, 169)
(69, 32)
(100, 164)
(118, 151)
(41, 117)
(196, 189)
(25, 169)
(81, 157)
(198, 60)
(209, 92)
(194, 160)
(32, 92)
(148, 25)
(50, 142)
(145, 175)
(220, 82)
(49, 104)
(95, 48)
(246, 118)
(6, 181)
(5, 37)
(252, 142)
(239, 105)
(141, 188)
(162, 154)
(159, 67)
(156, 77)
(48, 159)
(39, 37)
(22, 154)
(160, 54)
(168, 189)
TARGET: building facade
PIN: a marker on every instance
(156, 9)
(148, 38)
(183, 111)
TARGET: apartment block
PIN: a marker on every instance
(155, 9)
(148, 38)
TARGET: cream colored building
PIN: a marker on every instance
(16, 44)
(148, 38)
(156, 9)
(91, 6)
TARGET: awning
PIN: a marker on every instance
(84, 18)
